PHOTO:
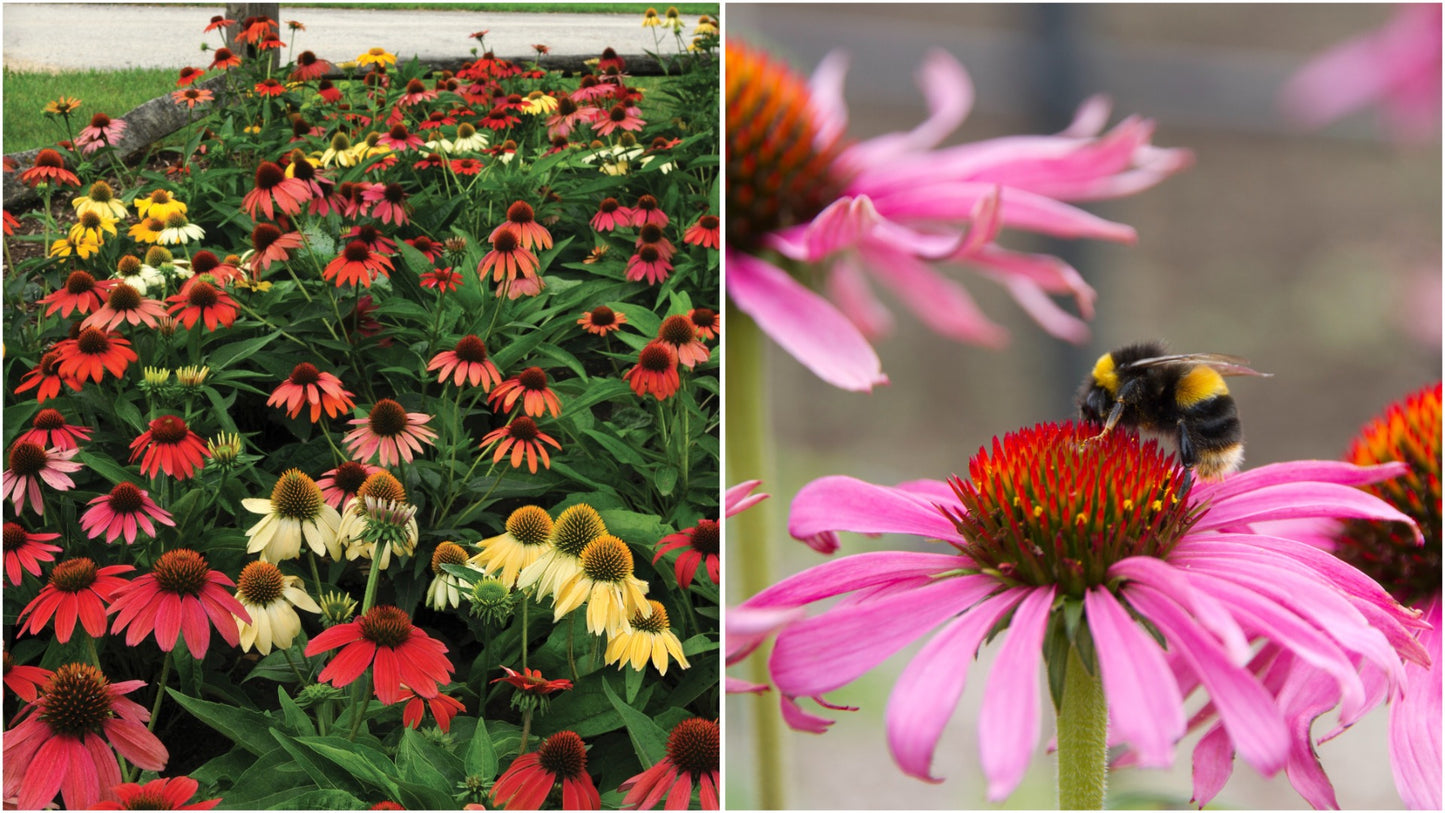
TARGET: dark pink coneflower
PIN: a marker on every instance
(181, 596)
(124, 511)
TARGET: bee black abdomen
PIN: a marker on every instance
(1214, 423)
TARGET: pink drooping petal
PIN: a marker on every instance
(1008, 724)
(1213, 765)
(941, 304)
(825, 96)
(929, 688)
(1208, 612)
(805, 324)
(1305, 694)
(1415, 723)
(1145, 706)
(740, 497)
(747, 627)
(1300, 500)
(1090, 118)
(847, 286)
(1019, 209)
(949, 93)
(1058, 322)
(839, 503)
(799, 720)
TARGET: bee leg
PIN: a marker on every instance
(1188, 457)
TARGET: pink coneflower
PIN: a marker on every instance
(522, 439)
(397, 652)
(308, 385)
(25, 681)
(190, 97)
(46, 379)
(180, 596)
(391, 431)
(679, 333)
(373, 238)
(205, 263)
(602, 320)
(25, 551)
(415, 92)
(169, 445)
(81, 293)
(1052, 513)
(49, 168)
(94, 353)
(707, 322)
(309, 67)
(103, 131)
(124, 511)
(891, 206)
(429, 248)
(31, 464)
(590, 88)
(523, 222)
(467, 362)
(648, 264)
(611, 215)
(619, 117)
(444, 280)
(652, 235)
(274, 188)
(705, 232)
(400, 139)
(388, 203)
(269, 245)
(224, 59)
(530, 386)
(356, 263)
(693, 750)
(508, 258)
(561, 758)
(647, 211)
(318, 185)
(76, 591)
(125, 304)
(655, 373)
(341, 483)
(568, 116)
(699, 545)
(63, 745)
(173, 793)
(205, 303)
(49, 430)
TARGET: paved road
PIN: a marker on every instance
(57, 36)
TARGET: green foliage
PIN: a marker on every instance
(114, 92)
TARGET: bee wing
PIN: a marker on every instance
(1219, 362)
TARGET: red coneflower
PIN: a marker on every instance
(699, 545)
(94, 352)
(189, 75)
(466, 166)
(530, 386)
(522, 220)
(705, 232)
(308, 385)
(217, 22)
(649, 264)
(602, 320)
(373, 238)
(270, 42)
(610, 215)
(158, 794)
(442, 707)
(169, 445)
(646, 211)
(272, 186)
(64, 743)
(416, 92)
(562, 758)
(49, 430)
(269, 245)
(498, 118)
(77, 590)
(655, 372)
(269, 87)
(397, 652)
(224, 59)
(181, 595)
(522, 438)
(467, 362)
(532, 682)
(328, 92)
(31, 463)
(356, 263)
(47, 377)
(391, 431)
(80, 293)
(202, 301)
(444, 280)
(49, 168)
(430, 248)
(341, 483)
(706, 321)
(25, 551)
(388, 202)
(103, 131)
(221, 273)
(309, 66)
(507, 258)
(693, 750)
(125, 510)
(681, 334)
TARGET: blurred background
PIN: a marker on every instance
(1316, 255)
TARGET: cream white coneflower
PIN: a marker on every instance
(295, 511)
(271, 598)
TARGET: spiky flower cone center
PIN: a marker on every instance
(269, 176)
(73, 575)
(49, 158)
(393, 193)
(203, 295)
(563, 755)
(89, 220)
(15, 537)
(169, 429)
(386, 626)
(523, 428)
(646, 203)
(505, 241)
(50, 419)
(176, 220)
(181, 571)
(263, 236)
(1408, 431)
(399, 133)
(603, 316)
(340, 142)
(382, 486)
(705, 537)
(123, 298)
(349, 476)
(520, 213)
(301, 169)
(387, 418)
(92, 341)
(530, 525)
(157, 256)
(77, 700)
(127, 266)
(779, 170)
(260, 583)
(618, 113)
(656, 359)
(1053, 505)
(148, 800)
(100, 192)
(657, 623)
(465, 130)
(677, 330)
(296, 496)
(606, 559)
(533, 378)
(305, 374)
(576, 527)
(608, 206)
(704, 317)
(79, 282)
(27, 459)
(356, 252)
(447, 553)
(694, 746)
(100, 121)
(125, 498)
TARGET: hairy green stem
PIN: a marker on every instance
(1083, 725)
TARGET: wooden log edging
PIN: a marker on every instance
(151, 121)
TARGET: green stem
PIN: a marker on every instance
(1083, 726)
(94, 654)
(160, 691)
(525, 602)
(299, 679)
(372, 579)
(748, 441)
(526, 731)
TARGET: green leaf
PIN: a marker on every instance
(325, 774)
(244, 727)
(649, 741)
(481, 757)
(298, 721)
(639, 529)
(665, 480)
(358, 759)
(229, 354)
(617, 449)
(106, 467)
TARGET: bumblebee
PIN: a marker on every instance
(1180, 400)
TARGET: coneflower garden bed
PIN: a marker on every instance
(367, 454)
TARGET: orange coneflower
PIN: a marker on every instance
(202, 301)
(679, 333)
(508, 258)
(269, 87)
(706, 321)
(655, 372)
(46, 379)
(530, 386)
(309, 66)
(80, 293)
(357, 263)
(467, 362)
(190, 97)
(93, 353)
(63, 106)
(224, 59)
(523, 221)
(49, 168)
(444, 280)
(256, 29)
(268, 245)
(308, 385)
(272, 186)
(705, 232)
(373, 238)
(222, 273)
(188, 75)
(169, 445)
(521, 438)
(466, 166)
(602, 320)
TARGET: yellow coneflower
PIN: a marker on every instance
(101, 200)
(66, 246)
(528, 530)
(296, 511)
(376, 56)
(179, 230)
(574, 529)
(148, 230)
(339, 152)
(92, 227)
(650, 637)
(158, 204)
(605, 582)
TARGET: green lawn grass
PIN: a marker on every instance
(111, 92)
